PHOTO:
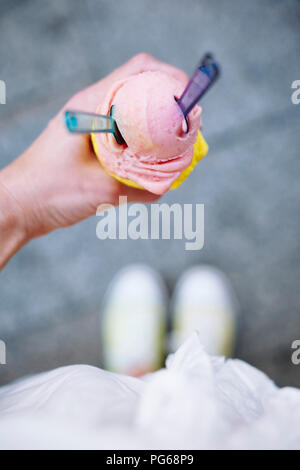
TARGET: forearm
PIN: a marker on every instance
(12, 230)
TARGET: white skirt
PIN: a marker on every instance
(196, 402)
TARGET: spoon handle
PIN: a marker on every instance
(202, 79)
(86, 123)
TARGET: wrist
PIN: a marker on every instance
(13, 234)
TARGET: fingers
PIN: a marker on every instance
(144, 62)
(99, 187)
(93, 95)
(118, 191)
(137, 195)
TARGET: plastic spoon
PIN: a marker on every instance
(204, 76)
(85, 123)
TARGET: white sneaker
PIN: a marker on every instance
(203, 300)
(133, 322)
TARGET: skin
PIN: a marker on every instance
(57, 181)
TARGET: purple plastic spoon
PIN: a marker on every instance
(202, 79)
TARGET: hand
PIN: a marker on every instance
(58, 181)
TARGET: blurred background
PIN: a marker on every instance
(51, 292)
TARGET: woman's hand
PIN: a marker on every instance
(58, 181)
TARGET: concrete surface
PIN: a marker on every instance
(50, 293)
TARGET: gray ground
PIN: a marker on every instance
(51, 291)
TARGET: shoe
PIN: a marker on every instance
(203, 300)
(133, 322)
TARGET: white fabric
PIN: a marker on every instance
(197, 402)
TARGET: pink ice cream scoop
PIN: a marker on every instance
(156, 148)
(145, 129)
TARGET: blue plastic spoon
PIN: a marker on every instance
(85, 123)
